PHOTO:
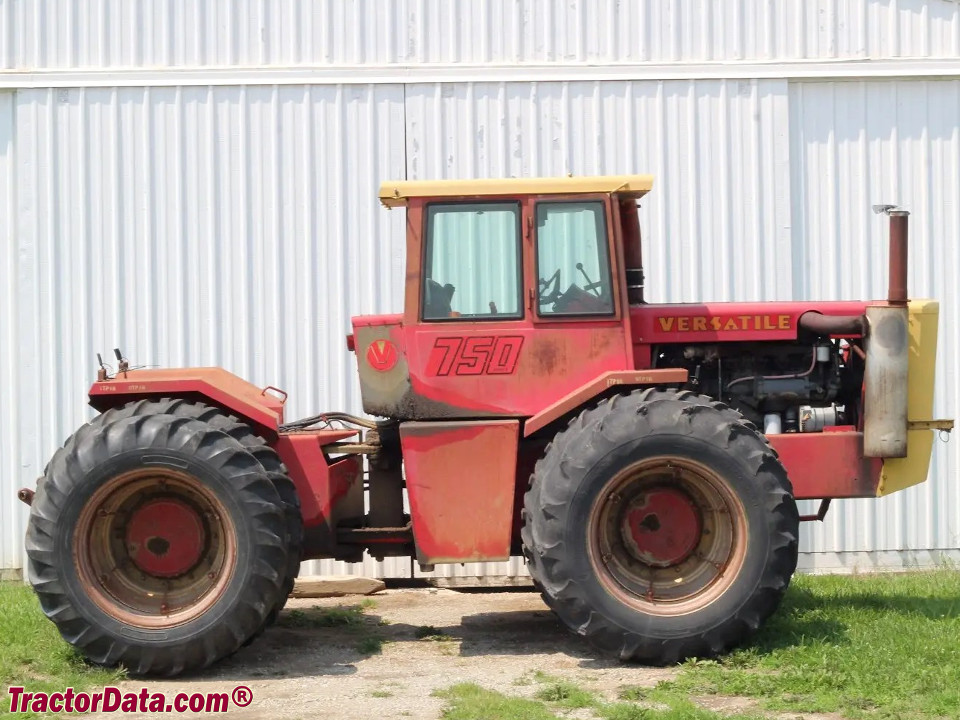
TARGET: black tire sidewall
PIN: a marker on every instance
(242, 432)
(740, 480)
(222, 488)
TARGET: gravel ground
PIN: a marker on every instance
(496, 639)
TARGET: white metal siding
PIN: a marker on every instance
(11, 527)
(65, 34)
(719, 152)
(237, 225)
(201, 226)
(855, 144)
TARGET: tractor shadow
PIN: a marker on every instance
(331, 640)
(803, 618)
(933, 608)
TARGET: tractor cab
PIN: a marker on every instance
(517, 294)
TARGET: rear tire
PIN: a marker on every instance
(257, 446)
(661, 526)
(156, 542)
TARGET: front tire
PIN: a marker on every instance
(156, 542)
(661, 526)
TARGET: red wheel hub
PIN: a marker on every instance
(165, 537)
(662, 527)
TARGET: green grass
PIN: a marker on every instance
(883, 647)
(346, 617)
(370, 645)
(563, 693)
(33, 654)
(430, 633)
(869, 646)
(633, 693)
(324, 617)
(468, 701)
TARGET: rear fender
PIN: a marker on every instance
(329, 489)
(214, 386)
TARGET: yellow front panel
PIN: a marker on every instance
(900, 473)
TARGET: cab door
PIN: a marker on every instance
(517, 304)
(577, 311)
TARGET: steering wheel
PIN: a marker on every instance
(594, 286)
(553, 281)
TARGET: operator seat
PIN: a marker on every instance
(437, 300)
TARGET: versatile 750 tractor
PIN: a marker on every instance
(645, 459)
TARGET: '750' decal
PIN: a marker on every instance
(475, 355)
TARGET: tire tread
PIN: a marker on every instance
(96, 444)
(596, 431)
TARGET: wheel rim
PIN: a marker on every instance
(667, 535)
(154, 548)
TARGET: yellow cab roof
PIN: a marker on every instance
(396, 193)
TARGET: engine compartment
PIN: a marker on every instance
(779, 386)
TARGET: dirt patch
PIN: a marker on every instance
(307, 667)
(726, 705)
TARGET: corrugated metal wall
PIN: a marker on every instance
(860, 143)
(235, 224)
(232, 226)
(46, 34)
(719, 150)
(11, 517)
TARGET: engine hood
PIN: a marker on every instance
(728, 322)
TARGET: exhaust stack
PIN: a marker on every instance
(887, 345)
(897, 288)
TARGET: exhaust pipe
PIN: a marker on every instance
(887, 350)
(897, 288)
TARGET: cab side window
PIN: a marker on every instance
(573, 264)
(472, 261)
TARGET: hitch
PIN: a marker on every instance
(941, 425)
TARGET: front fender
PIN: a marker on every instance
(584, 394)
(214, 386)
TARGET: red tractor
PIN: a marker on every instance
(646, 459)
